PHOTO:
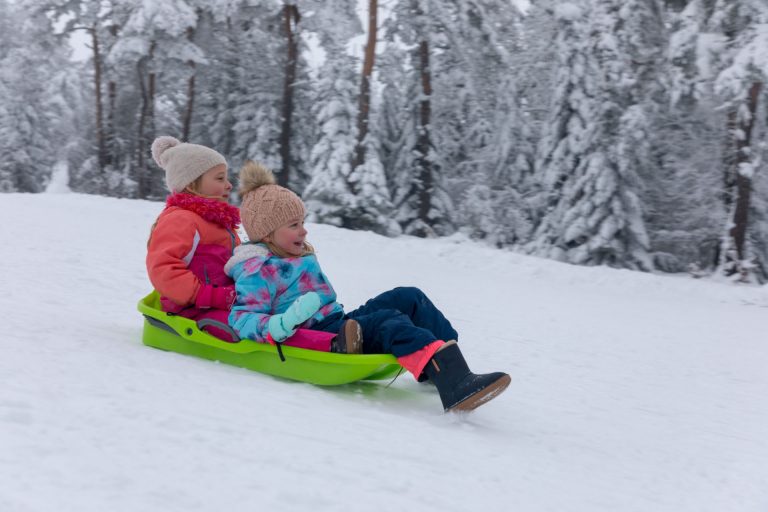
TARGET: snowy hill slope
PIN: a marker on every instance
(630, 392)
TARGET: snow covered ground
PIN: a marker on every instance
(630, 391)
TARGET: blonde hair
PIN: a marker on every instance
(152, 230)
(308, 249)
(194, 187)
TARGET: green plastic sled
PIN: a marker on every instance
(178, 334)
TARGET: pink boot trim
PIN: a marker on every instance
(416, 361)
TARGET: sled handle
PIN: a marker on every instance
(160, 324)
(202, 323)
(205, 322)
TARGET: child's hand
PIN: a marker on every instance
(282, 326)
(277, 330)
(301, 310)
(216, 297)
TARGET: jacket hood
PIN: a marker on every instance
(248, 257)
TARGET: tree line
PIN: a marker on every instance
(626, 133)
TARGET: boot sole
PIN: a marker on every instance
(353, 337)
(483, 396)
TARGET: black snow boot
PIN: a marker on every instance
(459, 388)
(349, 340)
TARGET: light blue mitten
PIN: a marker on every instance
(282, 326)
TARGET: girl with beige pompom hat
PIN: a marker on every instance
(281, 288)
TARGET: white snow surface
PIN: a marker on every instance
(630, 391)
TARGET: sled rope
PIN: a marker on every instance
(396, 376)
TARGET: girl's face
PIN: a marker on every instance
(215, 184)
(290, 237)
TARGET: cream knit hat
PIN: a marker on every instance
(265, 206)
(182, 162)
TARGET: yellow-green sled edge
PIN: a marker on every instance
(178, 334)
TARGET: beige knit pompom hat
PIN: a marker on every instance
(182, 162)
(265, 206)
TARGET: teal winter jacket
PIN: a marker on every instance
(267, 285)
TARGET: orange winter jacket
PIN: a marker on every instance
(186, 250)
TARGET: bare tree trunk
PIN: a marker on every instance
(140, 143)
(423, 142)
(147, 114)
(735, 252)
(111, 138)
(99, 107)
(364, 102)
(151, 111)
(186, 123)
(730, 157)
(744, 183)
(291, 20)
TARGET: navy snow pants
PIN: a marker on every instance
(400, 322)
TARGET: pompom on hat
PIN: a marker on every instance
(182, 162)
(265, 206)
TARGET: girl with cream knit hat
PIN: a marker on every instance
(281, 288)
(194, 236)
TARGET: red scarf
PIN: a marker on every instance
(212, 210)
